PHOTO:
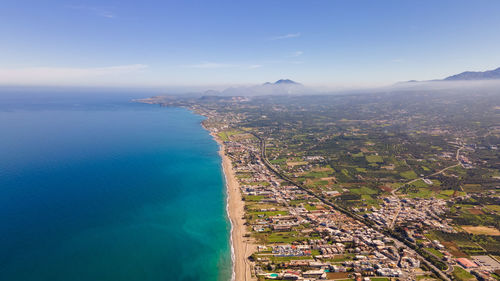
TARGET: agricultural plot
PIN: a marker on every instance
(374, 159)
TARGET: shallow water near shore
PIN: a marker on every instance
(110, 191)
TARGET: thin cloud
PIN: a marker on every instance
(65, 75)
(296, 54)
(253, 66)
(97, 11)
(286, 36)
(108, 15)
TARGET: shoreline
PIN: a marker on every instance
(241, 247)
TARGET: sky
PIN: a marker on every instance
(327, 43)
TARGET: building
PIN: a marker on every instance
(466, 263)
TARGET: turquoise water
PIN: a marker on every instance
(109, 191)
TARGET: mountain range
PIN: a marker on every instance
(290, 87)
(475, 75)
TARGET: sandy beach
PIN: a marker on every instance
(242, 246)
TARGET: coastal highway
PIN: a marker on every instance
(397, 241)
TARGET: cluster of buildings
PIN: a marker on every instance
(327, 241)
(321, 241)
(415, 214)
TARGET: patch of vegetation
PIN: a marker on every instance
(357, 155)
(224, 135)
(310, 207)
(255, 198)
(434, 252)
(364, 190)
(284, 237)
(374, 159)
(461, 274)
(420, 193)
(419, 183)
(411, 175)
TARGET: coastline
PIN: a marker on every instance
(241, 246)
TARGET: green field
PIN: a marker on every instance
(374, 159)
(421, 193)
(317, 175)
(495, 208)
(278, 161)
(224, 136)
(283, 259)
(461, 274)
(411, 175)
(434, 252)
(309, 207)
(360, 154)
(420, 183)
(319, 183)
(269, 214)
(284, 237)
(259, 183)
(243, 175)
(364, 190)
(254, 198)
(341, 258)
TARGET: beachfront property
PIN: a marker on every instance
(333, 197)
(300, 238)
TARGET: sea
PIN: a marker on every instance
(96, 187)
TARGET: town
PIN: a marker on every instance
(349, 197)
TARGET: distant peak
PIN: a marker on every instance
(283, 82)
(476, 75)
(466, 76)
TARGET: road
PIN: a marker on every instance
(397, 242)
(393, 192)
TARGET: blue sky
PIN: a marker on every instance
(198, 43)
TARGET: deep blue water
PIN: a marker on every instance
(100, 188)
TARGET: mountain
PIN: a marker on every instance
(475, 75)
(464, 76)
(286, 81)
(282, 82)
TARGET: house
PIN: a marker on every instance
(466, 263)
(314, 274)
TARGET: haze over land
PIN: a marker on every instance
(465, 81)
